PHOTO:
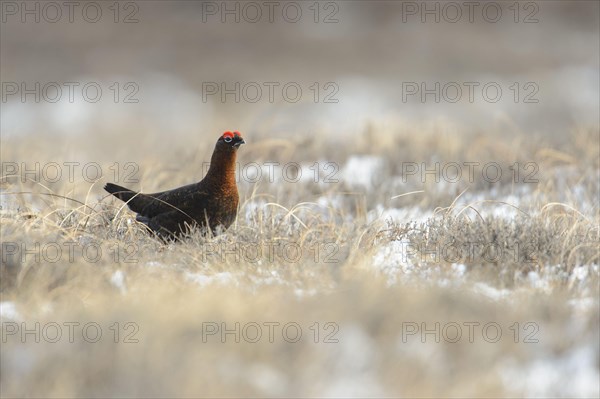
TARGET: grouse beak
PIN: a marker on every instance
(239, 142)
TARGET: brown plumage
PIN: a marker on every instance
(211, 202)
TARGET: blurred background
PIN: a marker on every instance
(365, 58)
(142, 90)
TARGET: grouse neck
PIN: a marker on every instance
(222, 166)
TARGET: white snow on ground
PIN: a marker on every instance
(272, 277)
(567, 374)
(11, 203)
(392, 259)
(8, 311)
(398, 261)
(118, 280)
(300, 293)
(491, 205)
(570, 374)
(8, 201)
(490, 292)
(397, 215)
(539, 283)
(362, 170)
(324, 206)
(459, 269)
(333, 201)
(584, 305)
(580, 273)
(268, 277)
(251, 208)
(204, 280)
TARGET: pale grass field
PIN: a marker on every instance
(372, 265)
(378, 266)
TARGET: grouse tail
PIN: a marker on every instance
(122, 193)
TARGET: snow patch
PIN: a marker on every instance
(539, 283)
(203, 280)
(572, 374)
(118, 280)
(392, 259)
(491, 292)
(362, 170)
(397, 215)
(459, 269)
(584, 305)
(8, 310)
(301, 293)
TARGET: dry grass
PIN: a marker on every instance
(377, 260)
(370, 275)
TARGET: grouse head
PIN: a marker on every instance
(230, 141)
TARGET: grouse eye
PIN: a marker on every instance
(227, 137)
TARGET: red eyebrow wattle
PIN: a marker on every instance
(228, 134)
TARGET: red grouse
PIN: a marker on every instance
(211, 203)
